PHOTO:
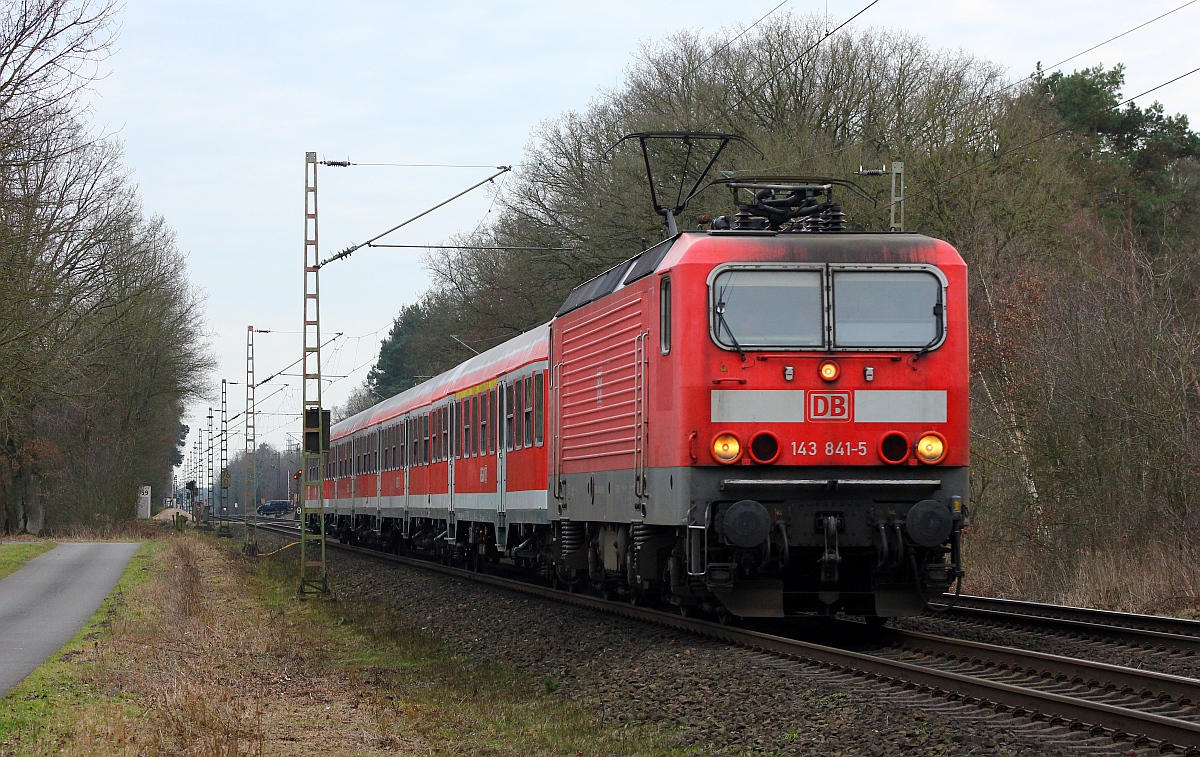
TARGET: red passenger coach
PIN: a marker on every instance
(450, 464)
(745, 421)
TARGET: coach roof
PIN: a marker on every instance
(521, 350)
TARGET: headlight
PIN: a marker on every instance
(894, 448)
(726, 449)
(829, 370)
(931, 448)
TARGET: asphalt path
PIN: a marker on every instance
(45, 603)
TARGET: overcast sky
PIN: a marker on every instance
(217, 101)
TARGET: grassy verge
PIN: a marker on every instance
(38, 713)
(13, 556)
(210, 653)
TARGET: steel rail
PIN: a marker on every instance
(1129, 628)
(1161, 687)
(1160, 623)
(1097, 717)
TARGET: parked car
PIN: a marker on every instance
(275, 507)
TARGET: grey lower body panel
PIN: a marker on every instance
(675, 495)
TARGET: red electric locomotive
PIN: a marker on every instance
(763, 417)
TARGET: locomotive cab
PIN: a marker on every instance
(764, 423)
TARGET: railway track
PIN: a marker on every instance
(1137, 707)
(1146, 631)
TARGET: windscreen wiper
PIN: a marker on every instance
(721, 322)
(937, 311)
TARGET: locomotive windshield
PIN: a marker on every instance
(786, 309)
(755, 308)
(889, 309)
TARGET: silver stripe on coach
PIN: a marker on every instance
(899, 406)
(757, 406)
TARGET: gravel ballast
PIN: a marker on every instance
(718, 699)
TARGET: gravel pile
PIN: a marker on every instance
(718, 699)
(1070, 646)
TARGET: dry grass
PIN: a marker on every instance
(1158, 581)
(212, 655)
(124, 530)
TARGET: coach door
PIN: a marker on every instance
(503, 434)
(448, 453)
(406, 461)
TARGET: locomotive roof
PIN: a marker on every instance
(839, 247)
(520, 350)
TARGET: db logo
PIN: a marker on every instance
(829, 406)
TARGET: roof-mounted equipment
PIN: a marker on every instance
(787, 204)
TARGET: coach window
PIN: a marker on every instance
(508, 417)
(445, 432)
(434, 435)
(517, 394)
(439, 429)
(480, 427)
(886, 309)
(664, 315)
(539, 407)
(461, 430)
(528, 411)
(487, 421)
(487, 418)
(473, 423)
